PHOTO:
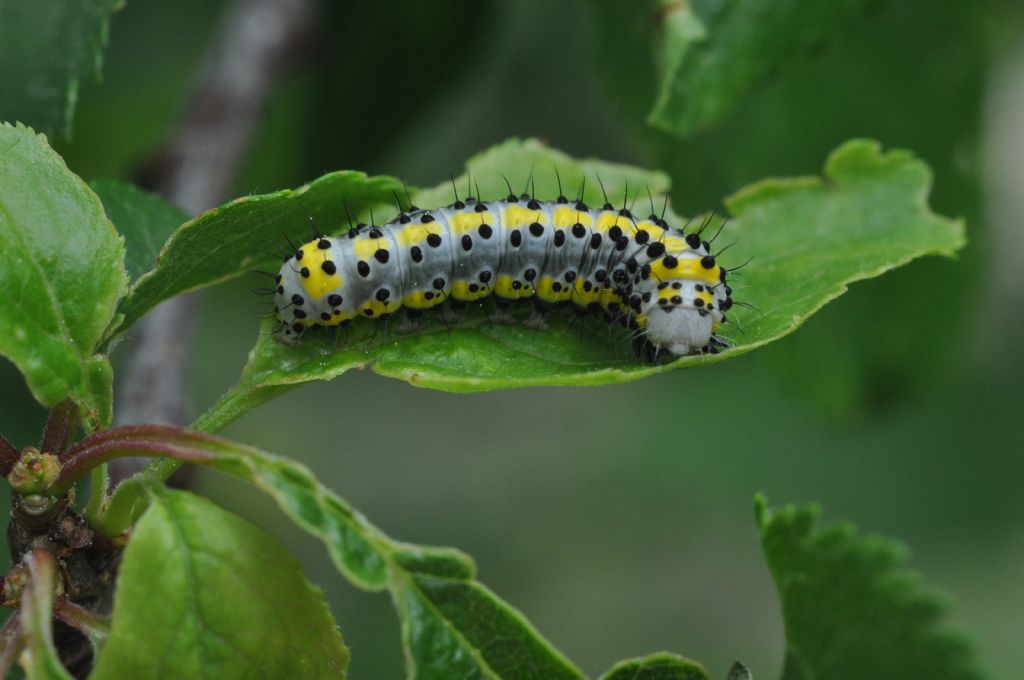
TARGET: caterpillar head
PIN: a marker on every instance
(678, 330)
(682, 316)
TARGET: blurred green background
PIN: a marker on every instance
(624, 534)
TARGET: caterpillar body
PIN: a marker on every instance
(661, 282)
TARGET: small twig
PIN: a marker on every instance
(10, 643)
(161, 441)
(95, 626)
(60, 428)
(196, 173)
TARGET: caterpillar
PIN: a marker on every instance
(662, 283)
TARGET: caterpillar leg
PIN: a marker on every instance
(289, 334)
(502, 315)
(651, 353)
(410, 321)
(536, 321)
(719, 341)
(451, 313)
(341, 335)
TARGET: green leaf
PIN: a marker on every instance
(202, 593)
(456, 628)
(46, 48)
(713, 52)
(144, 219)
(228, 241)
(808, 237)
(811, 238)
(40, 660)
(661, 666)
(452, 625)
(852, 610)
(62, 271)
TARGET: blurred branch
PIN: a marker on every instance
(196, 171)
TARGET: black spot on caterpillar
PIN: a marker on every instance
(660, 282)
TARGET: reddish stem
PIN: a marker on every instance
(159, 432)
(9, 455)
(82, 459)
